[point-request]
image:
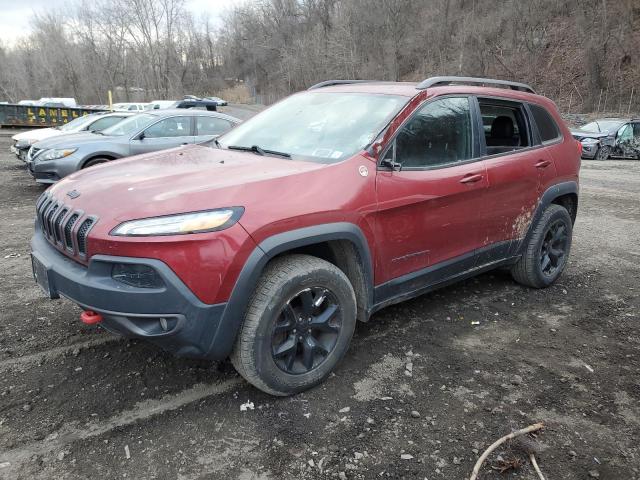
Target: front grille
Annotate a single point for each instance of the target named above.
(58, 224)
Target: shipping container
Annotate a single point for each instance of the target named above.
(12, 115)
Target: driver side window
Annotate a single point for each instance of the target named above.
(170, 127)
(438, 135)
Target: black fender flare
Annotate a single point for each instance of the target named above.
(233, 315)
(547, 198)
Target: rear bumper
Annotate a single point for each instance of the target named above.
(188, 326)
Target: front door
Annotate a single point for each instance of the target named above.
(428, 207)
(167, 133)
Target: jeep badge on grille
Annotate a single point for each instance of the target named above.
(73, 194)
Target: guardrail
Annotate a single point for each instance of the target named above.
(12, 115)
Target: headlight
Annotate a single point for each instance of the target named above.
(56, 153)
(196, 222)
(589, 141)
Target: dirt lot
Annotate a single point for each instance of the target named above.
(76, 402)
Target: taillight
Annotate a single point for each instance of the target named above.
(579, 145)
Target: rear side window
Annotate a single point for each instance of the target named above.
(504, 126)
(212, 125)
(547, 127)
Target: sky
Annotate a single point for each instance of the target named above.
(15, 14)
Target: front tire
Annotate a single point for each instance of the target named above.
(95, 161)
(603, 153)
(298, 325)
(547, 250)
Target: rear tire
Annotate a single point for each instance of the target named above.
(547, 250)
(297, 327)
(95, 161)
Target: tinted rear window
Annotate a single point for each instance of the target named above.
(547, 127)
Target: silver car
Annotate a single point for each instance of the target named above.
(88, 123)
(50, 160)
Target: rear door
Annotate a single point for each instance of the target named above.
(167, 133)
(428, 209)
(516, 162)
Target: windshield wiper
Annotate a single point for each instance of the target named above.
(258, 150)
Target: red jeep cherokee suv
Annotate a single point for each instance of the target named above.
(315, 213)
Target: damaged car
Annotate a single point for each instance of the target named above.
(609, 138)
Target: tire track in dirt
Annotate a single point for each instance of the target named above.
(27, 361)
(69, 433)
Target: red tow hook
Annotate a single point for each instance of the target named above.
(89, 317)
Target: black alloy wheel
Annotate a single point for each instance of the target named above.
(553, 249)
(306, 330)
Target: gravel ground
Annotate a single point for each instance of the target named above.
(426, 386)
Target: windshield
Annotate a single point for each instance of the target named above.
(130, 125)
(318, 126)
(76, 124)
(602, 126)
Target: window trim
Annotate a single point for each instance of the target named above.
(534, 137)
(475, 141)
(553, 141)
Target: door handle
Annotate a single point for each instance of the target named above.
(542, 164)
(471, 178)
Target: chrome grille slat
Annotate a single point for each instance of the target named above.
(43, 208)
(58, 222)
(49, 220)
(45, 216)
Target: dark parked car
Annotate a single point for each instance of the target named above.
(315, 213)
(609, 138)
(50, 160)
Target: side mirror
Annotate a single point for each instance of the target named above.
(141, 136)
(391, 164)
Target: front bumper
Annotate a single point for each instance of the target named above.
(189, 325)
(20, 152)
(590, 150)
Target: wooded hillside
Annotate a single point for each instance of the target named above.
(584, 54)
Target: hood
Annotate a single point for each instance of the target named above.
(179, 180)
(71, 140)
(580, 134)
(37, 134)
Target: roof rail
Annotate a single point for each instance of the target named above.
(435, 81)
(329, 83)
